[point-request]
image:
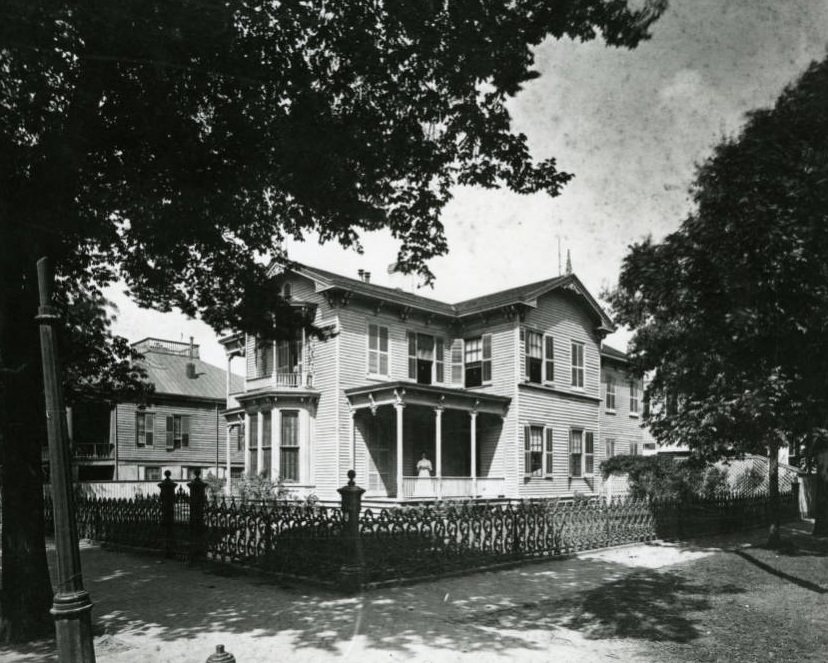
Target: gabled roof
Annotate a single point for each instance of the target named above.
(169, 375)
(525, 295)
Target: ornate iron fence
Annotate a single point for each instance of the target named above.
(391, 544)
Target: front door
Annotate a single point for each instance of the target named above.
(380, 478)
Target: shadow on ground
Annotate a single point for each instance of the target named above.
(140, 598)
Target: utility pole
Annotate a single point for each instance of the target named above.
(71, 605)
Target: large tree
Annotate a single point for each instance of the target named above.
(730, 312)
(173, 144)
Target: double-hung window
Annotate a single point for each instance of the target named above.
(178, 431)
(265, 442)
(633, 397)
(478, 360)
(609, 401)
(289, 450)
(144, 429)
(610, 444)
(577, 361)
(263, 358)
(377, 350)
(534, 356)
(581, 453)
(537, 448)
(425, 358)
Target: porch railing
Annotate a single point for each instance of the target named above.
(289, 380)
(452, 487)
(90, 451)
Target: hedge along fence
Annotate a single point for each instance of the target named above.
(399, 543)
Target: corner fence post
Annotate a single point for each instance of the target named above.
(795, 515)
(167, 487)
(197, 539)
(352, 570)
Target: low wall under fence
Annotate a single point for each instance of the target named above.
(351, 547)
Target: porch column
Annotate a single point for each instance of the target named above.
(247, 467)
(275, 443)
(259, 442)
(473, 416)
(438, 440)
(399, 407)
(352, 439)
(227, 486)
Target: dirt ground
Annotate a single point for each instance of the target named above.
(717, 599)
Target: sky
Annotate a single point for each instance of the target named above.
(630, 124)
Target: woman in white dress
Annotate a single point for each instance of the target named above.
(423, 486)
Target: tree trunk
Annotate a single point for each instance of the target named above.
(821, 494)
(26, 595)
(774, 538)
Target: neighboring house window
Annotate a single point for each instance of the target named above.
(533, 451)
(534, 356)
(239, 432)
(236, 472)
(633, 397)
(581, 453)
(478, 360)
(610, 397)
(178, 431)
(577, 360)
(634, 449)
(152, 474)
(425, 358)
(549, 358)
(610, 452)
(377, 350)
(289, 451)
(191, 473)
(144, 428)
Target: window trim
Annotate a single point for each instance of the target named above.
(483, 360)
(184, 431)
(573, 367)
(634, 398)
(610, 381)
(587, 441)
(143, 416)
(297, 446)
(378, 350)
(527, 357)
(438, 356)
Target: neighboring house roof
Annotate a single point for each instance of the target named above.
(525, 295)
(611, 353)
(168, 372)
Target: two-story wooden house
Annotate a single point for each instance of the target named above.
(181, 428)
(510, 394)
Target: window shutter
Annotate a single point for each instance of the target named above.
(487, 358)
(412, 355)
(139, 425)
(548, 451)
(527, 451)
(589, 451)
(185, 430)
(549, 359)
(170, 433)
(439, 371)
(149, 429)
(457, 361)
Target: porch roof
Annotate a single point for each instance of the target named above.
(410, 393)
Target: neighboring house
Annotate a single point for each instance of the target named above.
(510, 394)
(182, 428)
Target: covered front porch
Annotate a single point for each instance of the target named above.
(414, 442)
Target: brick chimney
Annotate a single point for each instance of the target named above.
(191, 369)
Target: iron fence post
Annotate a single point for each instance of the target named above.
(197, 539)
(167, 487)
(795, 497)
(352, 570)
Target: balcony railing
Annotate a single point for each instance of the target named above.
(293, 380)
(85, 451)
(452, 487)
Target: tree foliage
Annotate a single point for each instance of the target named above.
(731, 311)
(174, 145)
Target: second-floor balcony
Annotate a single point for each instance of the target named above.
(93, 451)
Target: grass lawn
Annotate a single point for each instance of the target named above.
(744, 603)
